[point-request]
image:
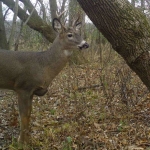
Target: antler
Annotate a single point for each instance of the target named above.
(60, 15)
(75, 21)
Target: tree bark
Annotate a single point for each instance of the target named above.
(35, 22)
(126, 28)
(3, 39)
(53, 8)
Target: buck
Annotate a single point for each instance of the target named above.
(30, 73)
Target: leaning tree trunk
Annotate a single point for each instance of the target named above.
(126, 28)
(35, 21)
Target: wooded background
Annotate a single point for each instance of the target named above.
(97, 101)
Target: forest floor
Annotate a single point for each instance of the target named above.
(95, 106)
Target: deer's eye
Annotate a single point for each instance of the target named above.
(69, 35)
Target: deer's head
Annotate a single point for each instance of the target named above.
(70, 37)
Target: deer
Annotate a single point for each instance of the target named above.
(31, 73)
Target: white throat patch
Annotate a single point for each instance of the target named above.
(67, 53)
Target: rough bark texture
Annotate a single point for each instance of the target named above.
(3, 40)
(126, 28)
(35, 22)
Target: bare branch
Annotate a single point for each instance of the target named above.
(6, 13)
(31, 13)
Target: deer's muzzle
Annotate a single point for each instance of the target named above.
(84, 45)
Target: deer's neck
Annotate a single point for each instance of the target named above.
(56, 57)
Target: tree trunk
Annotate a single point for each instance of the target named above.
(126, 28)
(133, 2)
(143, 3)
(53, 8)
(3, 40)
(43, 10)
(63, 6)
(12, 33)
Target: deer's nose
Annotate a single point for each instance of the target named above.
(85, 45)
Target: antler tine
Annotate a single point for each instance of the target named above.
(76, 20)
(60, 15)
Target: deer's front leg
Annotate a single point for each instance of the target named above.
(25, 107)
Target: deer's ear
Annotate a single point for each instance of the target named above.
(57, 26)
(78, 26)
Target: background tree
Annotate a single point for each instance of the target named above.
(53, 8)
(133, 2)
(143, 4)
(11, 37)
(3, 40)
(43, 10)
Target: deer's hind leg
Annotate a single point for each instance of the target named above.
(25, 107)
